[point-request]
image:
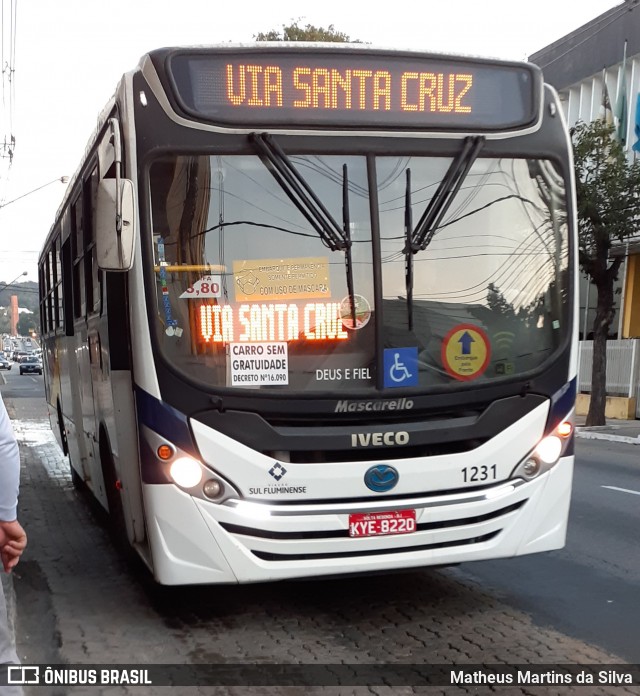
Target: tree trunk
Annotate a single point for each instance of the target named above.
(601, 325)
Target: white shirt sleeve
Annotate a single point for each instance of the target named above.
(9, 468)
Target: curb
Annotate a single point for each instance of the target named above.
(594, 435)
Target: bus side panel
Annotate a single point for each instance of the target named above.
(52, 386)
(124, 443)
(69, 386)
(87, 416)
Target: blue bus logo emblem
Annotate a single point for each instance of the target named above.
(381, 478)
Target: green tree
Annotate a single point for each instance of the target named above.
(497, 303)
(294, 32)
(5, 321)
(608, 192)
(27, 324)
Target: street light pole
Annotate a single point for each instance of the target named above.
(62, 179)
(6, 285)
(14, 299)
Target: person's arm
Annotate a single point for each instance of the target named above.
(13, 539)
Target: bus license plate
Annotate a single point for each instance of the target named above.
(366, 524)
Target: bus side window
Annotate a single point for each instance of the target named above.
(50, 287)
(42, 276)
(45, 286)
(67, 286)
(77, 248)
(92, 273)
(56, 267)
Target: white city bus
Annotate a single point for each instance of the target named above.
(309, 310)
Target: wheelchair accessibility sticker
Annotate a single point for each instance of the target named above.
(401, 367)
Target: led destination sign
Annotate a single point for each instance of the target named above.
(272, 322)
(355, 90)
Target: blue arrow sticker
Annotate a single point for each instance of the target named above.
(465, 341)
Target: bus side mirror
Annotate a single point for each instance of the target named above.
(115, 246)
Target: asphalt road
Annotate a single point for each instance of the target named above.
(590, 589)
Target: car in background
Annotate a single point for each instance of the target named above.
(31, 366)
(4, 363)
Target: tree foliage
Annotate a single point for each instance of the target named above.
(608, 209)
(28, 323)
(295, 32)
(26, 291)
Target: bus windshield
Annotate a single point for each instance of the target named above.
(253, 292)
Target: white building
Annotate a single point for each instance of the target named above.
(604, 54)
(596, 70)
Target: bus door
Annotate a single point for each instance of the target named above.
(111, 370)
(86, 310)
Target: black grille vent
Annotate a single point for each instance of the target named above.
(266, 556)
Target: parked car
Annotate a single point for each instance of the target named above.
(4, 363)
(31, 366)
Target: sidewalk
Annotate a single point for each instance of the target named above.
(615, 430)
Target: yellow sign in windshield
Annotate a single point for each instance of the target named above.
(281, 279)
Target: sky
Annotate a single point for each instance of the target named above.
(68, 55)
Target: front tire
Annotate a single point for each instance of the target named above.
(117, 523)
(76, 479)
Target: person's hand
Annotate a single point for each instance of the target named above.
(13, 541)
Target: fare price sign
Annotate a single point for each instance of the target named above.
(355, 89)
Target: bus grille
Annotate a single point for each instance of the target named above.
(428, 530)
(265, 556)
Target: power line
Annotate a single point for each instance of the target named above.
(8, 67)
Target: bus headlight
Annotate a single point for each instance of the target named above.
(549, 449)
(186, 472)
(213, 488)
(531, 467)
(164, 462)
(545, 454)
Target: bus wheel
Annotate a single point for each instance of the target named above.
(117, 524)
(76, 479)
(63, 432)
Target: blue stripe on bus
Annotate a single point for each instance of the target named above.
(164, 420)
(561, 403)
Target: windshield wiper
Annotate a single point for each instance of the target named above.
(301, 194)
(346, 225)
(305, 199)
(408, 256)
(418, 239)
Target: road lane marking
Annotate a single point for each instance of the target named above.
(622, 490)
